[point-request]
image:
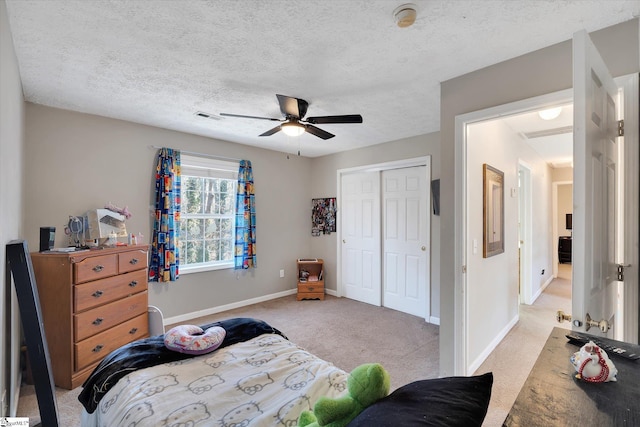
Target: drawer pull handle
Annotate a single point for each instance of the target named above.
(98, 348)
(133, 331)
(133, 284)
(97, 294)
(134, 261)
(311, 289)
(98, 268)
(98, 321)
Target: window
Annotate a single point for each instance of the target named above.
(207, 214)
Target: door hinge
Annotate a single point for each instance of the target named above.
(620, 127)
(620, 273)
(464, 269)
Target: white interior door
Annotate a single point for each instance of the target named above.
(360, 215)
(595, 187)
(405, 195)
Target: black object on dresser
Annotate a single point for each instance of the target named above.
(564, 249)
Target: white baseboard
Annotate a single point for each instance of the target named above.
(541, 290)
(330, 292)
(492, 346)
(434, 320)
(221, 308)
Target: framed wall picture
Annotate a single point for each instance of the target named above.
(323, 216)
(492, 211)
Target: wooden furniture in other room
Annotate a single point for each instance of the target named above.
(564, 249)
(92, 303)
(553, 396)
(310, 279)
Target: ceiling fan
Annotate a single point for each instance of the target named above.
(294, 123)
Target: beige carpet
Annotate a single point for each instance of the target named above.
(349, 333)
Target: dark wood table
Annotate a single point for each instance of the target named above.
(552, 396)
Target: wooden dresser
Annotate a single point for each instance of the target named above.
(92, 303)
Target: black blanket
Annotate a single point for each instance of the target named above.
(151, 351)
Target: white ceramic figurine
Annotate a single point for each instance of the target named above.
(593, 364)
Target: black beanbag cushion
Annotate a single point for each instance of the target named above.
(451, 401)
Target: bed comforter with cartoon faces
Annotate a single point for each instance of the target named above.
(265, 381)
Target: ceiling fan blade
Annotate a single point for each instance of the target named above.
(318, 132)
(294, 107)
(348, 118)
(271, 131)
(250, 117)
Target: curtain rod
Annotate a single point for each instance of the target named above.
(193, 153)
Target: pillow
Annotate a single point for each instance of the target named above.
(452, 401)
(191, 339)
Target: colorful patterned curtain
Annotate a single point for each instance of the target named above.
(166, 226)
(245, 253)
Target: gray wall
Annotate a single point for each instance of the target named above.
(76, 162)
(323, 184)
(493, 282)
(537, 73)
(94, 160)
(11, 143)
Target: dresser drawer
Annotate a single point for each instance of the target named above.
(96, 267)
(132, 260)
(98, 292)
(311, 287)
(95, 348)
(106, 316)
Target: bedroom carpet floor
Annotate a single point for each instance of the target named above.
(349, 333)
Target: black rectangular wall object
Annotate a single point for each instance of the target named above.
(18, 261)
(435, 196)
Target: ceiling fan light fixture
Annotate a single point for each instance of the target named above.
(550, 113)
(292, 128)
(405, 15)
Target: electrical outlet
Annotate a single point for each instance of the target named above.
(542, 272)
(281, 273)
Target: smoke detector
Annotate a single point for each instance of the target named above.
(405, 15)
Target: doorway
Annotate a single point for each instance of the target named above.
(384, 235)
(524, 233)
(493, 282)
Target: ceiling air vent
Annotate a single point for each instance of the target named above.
(204, 115)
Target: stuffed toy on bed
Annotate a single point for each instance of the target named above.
(367, 384)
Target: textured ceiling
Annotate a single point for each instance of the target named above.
(158, 62)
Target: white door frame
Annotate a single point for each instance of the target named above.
(377, 167)
(461, 304)
(526, 260)
(630, 84)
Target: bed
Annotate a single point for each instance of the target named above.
(257, 377)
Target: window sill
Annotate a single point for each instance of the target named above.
(203, 268)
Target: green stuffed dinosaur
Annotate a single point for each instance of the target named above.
(366, 384)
